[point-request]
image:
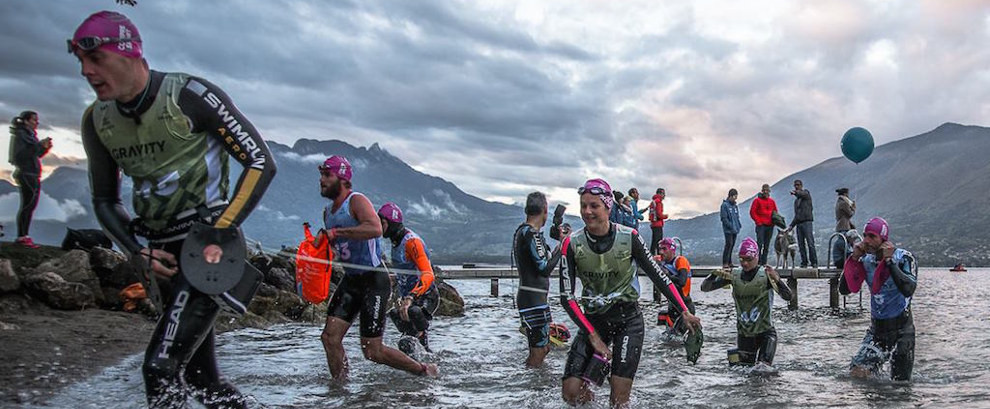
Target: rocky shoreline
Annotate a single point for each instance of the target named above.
(62, 318)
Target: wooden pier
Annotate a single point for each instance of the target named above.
(791, 275)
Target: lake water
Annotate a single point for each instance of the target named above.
(481, 354)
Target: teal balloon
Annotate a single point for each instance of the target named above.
(857, 144)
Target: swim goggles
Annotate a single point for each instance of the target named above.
(92, 43)
(595, 190)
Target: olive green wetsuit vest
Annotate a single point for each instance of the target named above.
(753, 304)
(173, 169)
(611, 275)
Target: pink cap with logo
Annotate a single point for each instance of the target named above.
(749, 248)
(878, 226)
(339, 166)
(668, 244)
(112, 25)
(391, 212)
(600, 188)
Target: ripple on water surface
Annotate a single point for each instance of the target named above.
(481, 355)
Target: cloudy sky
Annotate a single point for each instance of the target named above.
(504, 97)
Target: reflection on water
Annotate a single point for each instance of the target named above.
(481, 355)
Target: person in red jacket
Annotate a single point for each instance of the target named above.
(657, 217)
(762, 211)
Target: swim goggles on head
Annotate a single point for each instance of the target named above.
(92, 43)
(596, 190)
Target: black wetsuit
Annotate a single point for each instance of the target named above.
(535, 261)
(180, 360)
(763, 346)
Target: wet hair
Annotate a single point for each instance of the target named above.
(733, 192)
(535, 203)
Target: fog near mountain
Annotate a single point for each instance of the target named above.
(932, 188)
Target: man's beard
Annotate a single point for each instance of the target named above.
(333, 190)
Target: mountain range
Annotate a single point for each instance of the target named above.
(932, 188)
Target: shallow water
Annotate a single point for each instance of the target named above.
(481, 354)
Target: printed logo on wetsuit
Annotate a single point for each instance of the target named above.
(139, 150)
(173, 323)
(234, 135)
(625, 348)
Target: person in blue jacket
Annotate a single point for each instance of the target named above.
(729, 213)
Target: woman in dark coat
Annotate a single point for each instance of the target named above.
(25, 154)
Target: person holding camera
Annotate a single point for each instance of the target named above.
(25, 154)
(536, 261)
(891, 274)
(606, 257)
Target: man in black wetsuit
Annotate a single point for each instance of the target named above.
(535, 260)
(173, 135)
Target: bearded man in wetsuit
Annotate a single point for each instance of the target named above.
(535, 261)
(173, 135)
(418, 296)
(605, 256)
(353, 229)
(892, 276)
(678, 269)
(752, 292)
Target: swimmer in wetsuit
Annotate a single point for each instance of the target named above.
(173, 135)
(418, 296)
(605, 257)
(354, 230)
(891, 274)
(535, 261)
(678, 269)
(752, 286)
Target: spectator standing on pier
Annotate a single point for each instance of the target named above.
(803, 220)
(536, 261)
(756, 337)
(634, 204)
(891, 275)
(845, 209)
(657, 216)
(729, 214)
(761, 211)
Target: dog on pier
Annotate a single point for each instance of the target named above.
(785, 246)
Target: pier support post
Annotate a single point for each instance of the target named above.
(792, 284)
(494, 287)
(833, 294)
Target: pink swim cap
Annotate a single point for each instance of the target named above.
(600, 188)
(749, 248)
(110, 25)
(668, 244)
(337, 165)
(878, 226)
(391, 212)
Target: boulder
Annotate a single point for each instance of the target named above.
(107, 266)
(281, 279)
(74, 267)
(451, 303)
(9, 281)
(58, 293)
